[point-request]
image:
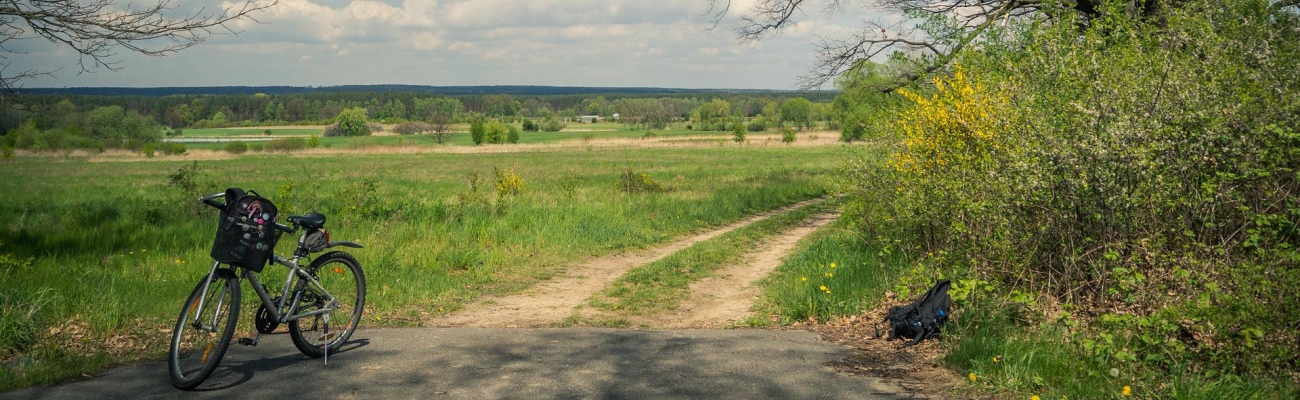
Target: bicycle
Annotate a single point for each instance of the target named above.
(207, 319)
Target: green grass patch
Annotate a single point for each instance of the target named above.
(116, 246)
(834, 273)
(1007, 356)
(663, 284)
(252, 131)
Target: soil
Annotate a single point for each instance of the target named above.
(916, 370)
(550, 302)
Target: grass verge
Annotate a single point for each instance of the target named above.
(662, 285)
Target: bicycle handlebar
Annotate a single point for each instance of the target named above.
(211, 200)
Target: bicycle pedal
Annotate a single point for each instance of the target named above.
(247, 341)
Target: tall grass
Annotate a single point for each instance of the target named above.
(114, 247)
(834, 273)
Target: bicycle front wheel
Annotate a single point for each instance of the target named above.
(204, 329)
(341, 278)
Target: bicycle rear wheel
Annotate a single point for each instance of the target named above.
(204, 329)
(340, 274)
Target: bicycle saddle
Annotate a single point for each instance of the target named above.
(309, 221)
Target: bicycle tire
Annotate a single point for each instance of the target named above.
(189, 367)
(341, 275)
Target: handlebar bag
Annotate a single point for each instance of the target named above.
(246, 233)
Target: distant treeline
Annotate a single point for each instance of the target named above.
(235, 106)
(517, 90)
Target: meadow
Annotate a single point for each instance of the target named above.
(458, 136)
(98, 255)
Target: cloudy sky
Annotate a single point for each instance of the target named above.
(608, 43)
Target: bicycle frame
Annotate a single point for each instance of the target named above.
(286, 311)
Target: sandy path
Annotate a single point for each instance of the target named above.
(726, 299)
(550, 302)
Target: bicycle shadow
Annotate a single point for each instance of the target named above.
(236, 371)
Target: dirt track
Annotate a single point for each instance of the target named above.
(728, 298)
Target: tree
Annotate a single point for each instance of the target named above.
(352, 122)
(738, 130)
(934, 33)
(798, 111)
(95, 29)
(115, 126)
(477, 131)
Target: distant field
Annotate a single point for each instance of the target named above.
(254, 131)
(459, 137)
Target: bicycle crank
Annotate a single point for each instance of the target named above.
(264, 321)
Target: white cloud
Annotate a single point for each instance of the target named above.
(469, 42)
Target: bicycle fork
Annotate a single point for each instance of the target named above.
(197, 308)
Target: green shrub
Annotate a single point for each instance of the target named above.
(148, 149)
(551, 124)
(1140, 172)
(512, 134)
(787, 135)
(173, 148)
(632, 182)
(286, 145)
(236, 147)
(477, 131)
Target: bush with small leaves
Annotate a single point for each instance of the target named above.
(236, 147)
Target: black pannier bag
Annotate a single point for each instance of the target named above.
(246, 232)
(923, 318)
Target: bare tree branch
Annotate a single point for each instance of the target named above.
(936, 46)
(95, 29)
(1283, 4)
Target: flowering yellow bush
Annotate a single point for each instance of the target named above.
(957, 125)
(509, 182)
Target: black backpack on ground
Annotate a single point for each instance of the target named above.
(246, 233)
(923, 318)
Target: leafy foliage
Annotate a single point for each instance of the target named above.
(352, 122)
(1140, 171)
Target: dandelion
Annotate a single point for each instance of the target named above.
(832, 265)
(823, 288)
(830, 275)
(805, 279)
(996, 359)
(972, 377)
(130, 252)
(1127, 391)
(1034, 397)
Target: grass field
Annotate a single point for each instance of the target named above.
(254, 131)
(459, 136)
(98, 255)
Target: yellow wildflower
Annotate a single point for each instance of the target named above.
(971, 376)
(822, 288)
(832, 265)
(997, 359)
(1034, 397)
(1128, 391)
(805, 279)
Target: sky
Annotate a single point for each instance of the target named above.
(593, 43)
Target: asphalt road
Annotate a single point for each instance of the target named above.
(482, 363)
